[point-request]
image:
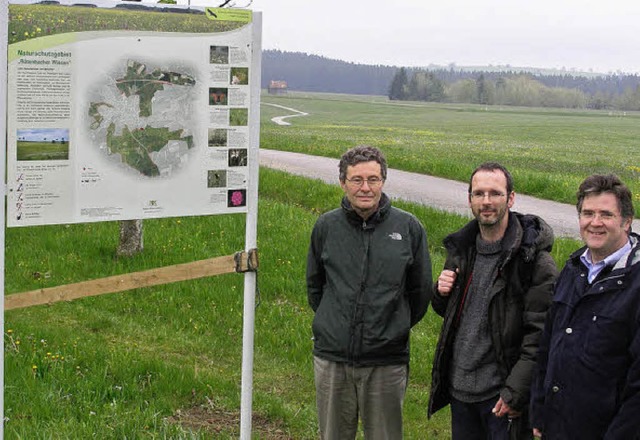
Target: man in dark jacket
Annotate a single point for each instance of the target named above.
(368, 281)
(493, 293)
(587, 385)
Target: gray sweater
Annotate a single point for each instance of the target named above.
(474, 370)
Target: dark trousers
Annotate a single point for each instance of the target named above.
(475, 421)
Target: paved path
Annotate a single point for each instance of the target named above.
(448, 195)
(280, 120)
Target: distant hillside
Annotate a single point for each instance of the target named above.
(314, 73)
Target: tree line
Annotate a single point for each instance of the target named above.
(516, 89)
(507, 86)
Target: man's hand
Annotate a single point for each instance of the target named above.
(446, 280)
(501, 409)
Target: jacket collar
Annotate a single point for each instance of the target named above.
(631, 258)
(376, 218)
(525, 232)
(465, 238)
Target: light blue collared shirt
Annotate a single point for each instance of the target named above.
(595, 269)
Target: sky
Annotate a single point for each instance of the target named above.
(43, 134)
(585, 35)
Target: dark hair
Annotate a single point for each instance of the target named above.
(610, 183)
(493, 166)
(359, 154)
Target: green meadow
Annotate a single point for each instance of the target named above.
(549, 151)
(33, 21)
(27, 150)
(165, 362)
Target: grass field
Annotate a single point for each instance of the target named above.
(42, 151)
(33, 21)
(165, 362)
(549, 151)
(133, 365)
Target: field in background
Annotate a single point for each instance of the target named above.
(549, 151)
(165, 362)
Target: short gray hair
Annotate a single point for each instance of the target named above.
(359, 154)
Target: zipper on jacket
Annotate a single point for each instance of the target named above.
(366, 239)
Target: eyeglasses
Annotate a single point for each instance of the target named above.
(493, 195)
(602, 215)
(373, 182)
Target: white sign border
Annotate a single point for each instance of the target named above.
(250, 278)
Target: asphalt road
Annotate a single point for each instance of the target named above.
(444, 194)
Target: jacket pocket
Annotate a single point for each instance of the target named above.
(605, 344)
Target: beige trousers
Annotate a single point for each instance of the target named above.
(374, 394)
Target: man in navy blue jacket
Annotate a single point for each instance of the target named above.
(587, 384)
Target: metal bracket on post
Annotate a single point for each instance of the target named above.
(246, 261)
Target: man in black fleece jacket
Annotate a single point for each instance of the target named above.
(493, 293)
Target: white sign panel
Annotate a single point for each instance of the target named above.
(125, 124)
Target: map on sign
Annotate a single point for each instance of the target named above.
(145, 85)
(142, 118)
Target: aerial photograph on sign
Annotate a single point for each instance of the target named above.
(142, 117)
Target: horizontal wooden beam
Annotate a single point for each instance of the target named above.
(135, 280)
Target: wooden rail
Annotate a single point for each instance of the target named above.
(119, 283)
